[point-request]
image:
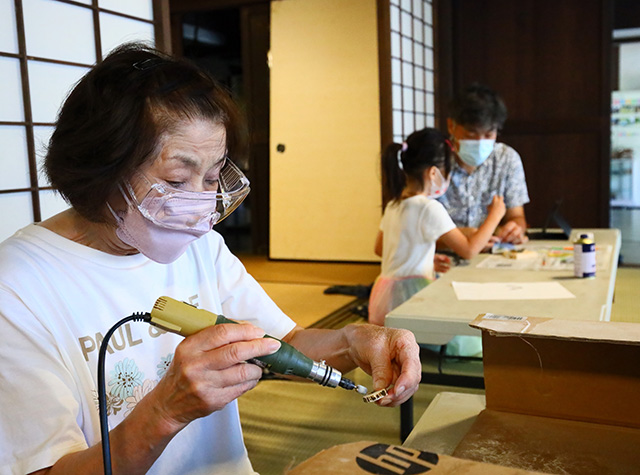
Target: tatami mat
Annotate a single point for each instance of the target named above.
(297, 287)
(626, 300)
(306, 272)
(304, 303)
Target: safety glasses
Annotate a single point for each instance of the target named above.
(184, 210)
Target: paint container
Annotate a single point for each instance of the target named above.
(584, 257)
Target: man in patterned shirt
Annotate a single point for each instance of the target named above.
(483, 167)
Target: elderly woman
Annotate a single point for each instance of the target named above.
(142, 151)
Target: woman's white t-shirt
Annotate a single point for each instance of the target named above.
(58, 299)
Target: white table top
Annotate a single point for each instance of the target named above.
(435, 315)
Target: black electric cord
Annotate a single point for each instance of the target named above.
(102, 392)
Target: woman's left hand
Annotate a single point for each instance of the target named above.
(391, 356)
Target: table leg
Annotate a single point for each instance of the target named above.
(406, 418)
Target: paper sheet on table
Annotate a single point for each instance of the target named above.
(510, 291)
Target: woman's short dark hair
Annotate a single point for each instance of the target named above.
(112, 122)
(478, 106)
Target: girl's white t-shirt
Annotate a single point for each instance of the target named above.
(410, 230)
(57, 301)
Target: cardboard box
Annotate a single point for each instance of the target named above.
(368, 457)
(562, 396)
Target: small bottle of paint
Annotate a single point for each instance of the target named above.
(584, 257)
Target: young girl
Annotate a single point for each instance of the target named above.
(414, 174)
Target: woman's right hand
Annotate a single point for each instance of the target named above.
(208, 371)
(497, 207)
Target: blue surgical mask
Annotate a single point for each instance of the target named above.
(475, 152)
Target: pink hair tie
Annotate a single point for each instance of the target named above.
(405, 147)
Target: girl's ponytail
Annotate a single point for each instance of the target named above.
(393, 177)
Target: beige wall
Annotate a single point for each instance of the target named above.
(325, 187)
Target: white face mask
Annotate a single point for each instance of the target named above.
(438, 186)
(475, 152)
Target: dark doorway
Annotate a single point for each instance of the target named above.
(231, 41)
(212, 40)
(625, 130)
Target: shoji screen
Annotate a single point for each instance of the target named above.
(46, 46)
(412, 85)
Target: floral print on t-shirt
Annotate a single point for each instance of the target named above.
(126, 386)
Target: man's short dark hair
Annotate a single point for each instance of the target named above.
(478, 106)
(113, 120)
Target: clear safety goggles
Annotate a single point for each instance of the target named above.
(183, 210)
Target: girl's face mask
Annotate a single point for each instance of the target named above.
(166, 220)
(439, 186)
